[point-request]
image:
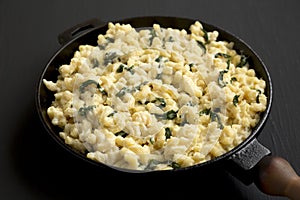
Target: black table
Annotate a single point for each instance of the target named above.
(33, 166)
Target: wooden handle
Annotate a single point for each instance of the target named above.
(277, 177)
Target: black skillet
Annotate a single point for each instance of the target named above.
(249, 161)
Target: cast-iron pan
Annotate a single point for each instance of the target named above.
(244, 161)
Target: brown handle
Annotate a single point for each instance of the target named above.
(277, 177)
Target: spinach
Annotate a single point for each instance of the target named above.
(220, 78)
(153, 163)
(152, 140)
(108, 40)
(130, 69)
(191, 65)
(171, 39)
(171, 114)
(95, 62)
(111, 114)
(205, 111)
(121, 133)
(122, 92)
(215, 117)
(109, 57)
(152, 36)
(140, 85)
(224, 55)
(161, 101)
(243, 61)
(159, 59)
(168, 133)
(228, 63)
(201, 45)
(235, 100)
(89, 82)
(257, 97)
(84, 110)
(205, 36)
(233, 79)
(175, 165)
(122, 67)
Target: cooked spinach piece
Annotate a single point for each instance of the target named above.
(111, 114)
(215, 117)
(175, 165)
(257, 97)
(152, 164)
(108, 40)
(168, 133)
(109, 57)
(201, 45)
(152, 36)
(122, 67)
(205, 36)
(220, 78)
(102, 90)
(159, 76)
(171, 39)
(235, 100)
(95, 62)
(140, 85)
(191, 65)
(122, 92)
(152, 140)
(205, 111)
(84, 110)
(224, 55)
(171, 114)
(121, 133)
(89, 82)
(159, 59)
(161, 102)
(228, 64)
(243, 61)
(130, 69)
(233, 79)
(86, 83)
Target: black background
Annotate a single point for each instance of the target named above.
(33, 166)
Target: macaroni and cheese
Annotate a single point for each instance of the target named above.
(156, 99)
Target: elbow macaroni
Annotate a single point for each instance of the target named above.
(156, 99)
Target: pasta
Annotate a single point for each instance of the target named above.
(157, 98)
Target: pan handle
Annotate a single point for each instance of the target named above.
(242, 163)
(276, 176)
(248, 157)
(72, 32)
(273, 175)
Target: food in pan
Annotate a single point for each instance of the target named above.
(158, 98)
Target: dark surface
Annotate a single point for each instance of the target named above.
(33, 166)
